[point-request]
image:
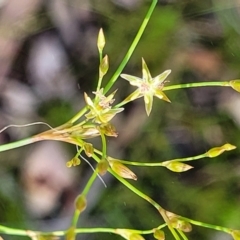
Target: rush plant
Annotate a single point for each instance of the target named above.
(94, 121)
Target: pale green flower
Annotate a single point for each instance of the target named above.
(101, 110)
(147, 86)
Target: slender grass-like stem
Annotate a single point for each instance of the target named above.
(20, 232)
(89, 183)
(206, 225)
(78, 115)
(75, 218)
(148, 199)
(104, 145)
(182, 234)
(158, 164)
(99, 84)
(199, 84)
(85, 191)
(13, 231)
(17, 144)
(132, 47)
(161, 164)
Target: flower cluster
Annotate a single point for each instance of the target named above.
(100, 110)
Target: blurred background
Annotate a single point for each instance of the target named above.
(48, 58)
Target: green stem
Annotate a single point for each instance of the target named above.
(161, 164)
(206, 225)
(89, 183)
(84, 193)
(19, 232)
(132, 47)
(181, 233)
(13, 231)
(192, 85)
(99, 85)
(188, 158)
(75, 218)
(148, 199)
(100, 55)
(17, 144)
(104, 145)
(78, 115)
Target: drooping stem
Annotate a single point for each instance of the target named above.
(160, 209)
(157, 164)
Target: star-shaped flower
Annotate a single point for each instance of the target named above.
(147, 86)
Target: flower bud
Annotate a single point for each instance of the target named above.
(101, 40)
(177, 166)
(88, 100)
(171, 215)
(184, 226)
(108, 130)
(135, 236)
(128, 234)
(178, 223)
(102, 166)
(122, 170)
(81, 203)
(235, 234)
(235, 84)
(73, 162)
(214, 152)
(159, 234)
(69, 163)
(70, 234)
(104, 65)
(76, 161)
(85, 132)
(88, 148)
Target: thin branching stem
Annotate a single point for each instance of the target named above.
(158, 164)
(78, 115)
(199, 84)
(132, 47)
(207, 225)
(148, 199)
(104, 145)
(20, 232)
(85, 191)
(182, 234)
